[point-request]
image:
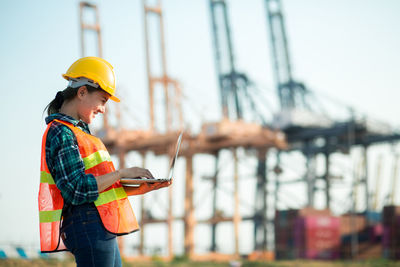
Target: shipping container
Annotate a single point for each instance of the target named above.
(391, 232)
(317, 237)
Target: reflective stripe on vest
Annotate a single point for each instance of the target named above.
(96, 158)
(49, 215)
(46, 178)
(110, 195)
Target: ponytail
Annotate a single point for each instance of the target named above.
(67, 94)
(61, 96)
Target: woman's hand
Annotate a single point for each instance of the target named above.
(145, 187)
(135, 172)
(106, 180)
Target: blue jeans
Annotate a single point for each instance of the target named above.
(85, 236)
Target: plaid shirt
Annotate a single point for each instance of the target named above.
(65, 162)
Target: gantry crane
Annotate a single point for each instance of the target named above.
(170, 88)
(291, 92)
(234, 86)
(294, 98)
(320, 135)
(231, 82)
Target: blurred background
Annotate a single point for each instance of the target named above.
(289, 111)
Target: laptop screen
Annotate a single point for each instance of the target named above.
(173, 160)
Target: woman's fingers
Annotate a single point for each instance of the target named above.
(140, 172)
(136, 172)
(148, 174)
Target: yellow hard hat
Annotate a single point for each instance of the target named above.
(96, 69)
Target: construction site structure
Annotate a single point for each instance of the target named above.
(171, 88)
(231, 82)
(312, 136)
(306, 130)
(213, 138)
(310, 132)
(235, 97)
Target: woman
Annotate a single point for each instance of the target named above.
(80, 198)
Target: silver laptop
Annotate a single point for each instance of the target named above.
(139, 180)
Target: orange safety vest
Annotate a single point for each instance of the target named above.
(112, 204)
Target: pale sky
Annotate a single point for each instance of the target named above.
(344, 50)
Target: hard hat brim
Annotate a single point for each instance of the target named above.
(112, 97)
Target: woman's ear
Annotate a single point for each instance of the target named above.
(82, 91)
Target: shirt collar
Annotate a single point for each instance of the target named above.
(66, 118)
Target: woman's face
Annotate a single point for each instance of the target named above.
(91, 104)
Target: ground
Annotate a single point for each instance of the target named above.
(184, 263)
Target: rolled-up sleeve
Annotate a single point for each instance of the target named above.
(67, 168)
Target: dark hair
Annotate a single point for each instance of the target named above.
(67, 94)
